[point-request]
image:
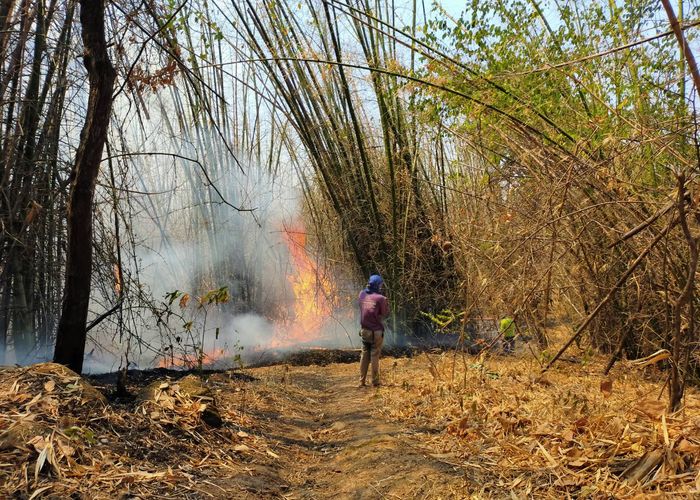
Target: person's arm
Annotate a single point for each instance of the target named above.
(384, 312)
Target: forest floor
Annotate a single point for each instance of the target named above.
(442, 425)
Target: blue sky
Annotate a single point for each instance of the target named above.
(454, 7)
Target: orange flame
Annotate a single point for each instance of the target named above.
(313, 293)
(313, 304)
(210, 358)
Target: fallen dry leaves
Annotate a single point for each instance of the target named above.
(569, 433)
(59, 437)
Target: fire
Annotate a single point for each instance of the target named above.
(210, 359)
(313, 295)
(303, 320)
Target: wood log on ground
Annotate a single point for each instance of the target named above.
(642, 467)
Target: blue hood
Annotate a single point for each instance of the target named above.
(375, 282)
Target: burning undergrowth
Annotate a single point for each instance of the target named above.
(226, 326)
(226, 290)
(206, 284)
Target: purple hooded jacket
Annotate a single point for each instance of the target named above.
(373, 305)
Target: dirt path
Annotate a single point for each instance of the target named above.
(331, 444)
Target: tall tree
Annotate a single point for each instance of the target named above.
(71, 334)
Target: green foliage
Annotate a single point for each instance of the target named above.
(173, 296)
(508, 48)
(546, 356)
(444, 318)
(80, 434)
(218, 296)
(191, 338)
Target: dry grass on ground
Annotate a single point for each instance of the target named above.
(568, 433)
(60, 438)
(493, 421)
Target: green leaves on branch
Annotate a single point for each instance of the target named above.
(510, 49)
(217, 296)
(444, 318)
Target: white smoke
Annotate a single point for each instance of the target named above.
(189, 240)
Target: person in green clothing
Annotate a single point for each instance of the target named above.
(507, 328)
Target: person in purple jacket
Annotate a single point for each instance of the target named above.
(374, 307)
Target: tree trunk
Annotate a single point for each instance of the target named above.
(71, 334)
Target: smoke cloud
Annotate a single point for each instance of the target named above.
(189, 242)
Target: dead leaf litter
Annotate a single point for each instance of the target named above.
(495, 420)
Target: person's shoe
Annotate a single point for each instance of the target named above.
(361, 384)
(376, 384)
